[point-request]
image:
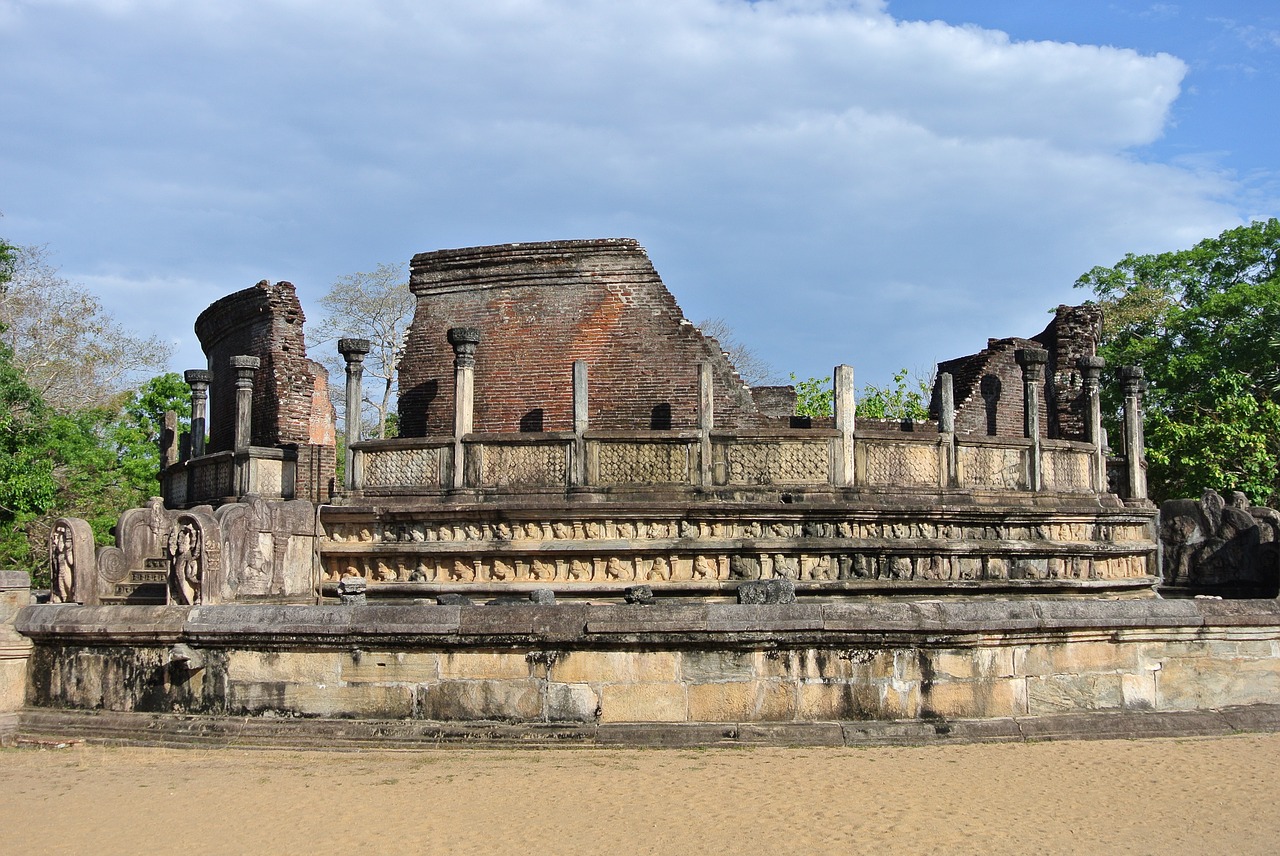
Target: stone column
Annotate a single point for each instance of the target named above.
(1032, 361)
(846, 407)
(1091, 371)
(1134, 384)
(464, 341)
(353, 351)
(706, 421)
(580, 422)
(245, 368)
(947, 423)
(198, 380)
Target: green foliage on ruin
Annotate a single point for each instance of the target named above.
(814, 397)
(899, 399)
(1203, 323)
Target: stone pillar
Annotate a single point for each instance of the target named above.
(846, 407)
(706, 421)
(1032, 361)
(947, 423)
(1134, 384)
(169, 440)
(15, 650)
(245, 368)
(1091, 371)
(353, 351)
(198, 380)
(464, 341)
(580, 422)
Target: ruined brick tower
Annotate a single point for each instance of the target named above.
(539, 307)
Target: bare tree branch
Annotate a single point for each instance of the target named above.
(65, 343)
(377, 306)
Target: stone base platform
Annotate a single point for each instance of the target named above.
(687, 673)
(47, 726)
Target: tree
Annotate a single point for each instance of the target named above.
(1203, 324)
(816, 398)
(897, 400)
(751, 367)
(377, 306)
(64, 343)
(92, 464)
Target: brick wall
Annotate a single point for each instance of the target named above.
(540, 307)
(290, 392)
(1073, 333)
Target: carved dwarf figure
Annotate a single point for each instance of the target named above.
(184, 563)
(62, 560)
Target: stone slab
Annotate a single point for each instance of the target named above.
(185, 730)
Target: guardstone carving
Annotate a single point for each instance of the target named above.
(1214, 546)
(71, 561)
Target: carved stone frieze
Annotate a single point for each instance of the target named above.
(1066, 471)
(778, 463)
(642, 463)
(402, 468)
(902, 465)
(991, 467)
(521, 466)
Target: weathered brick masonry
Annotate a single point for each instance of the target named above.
(290, 393)
(540, 307)
(988, 384)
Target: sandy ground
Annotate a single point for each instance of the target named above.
(1170, 796)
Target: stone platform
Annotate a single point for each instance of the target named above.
(680, 674)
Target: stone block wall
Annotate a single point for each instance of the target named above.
(291, 405)
(677, 664)
(540, 307)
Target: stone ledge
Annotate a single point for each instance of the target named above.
(237, 625)
(180, 730)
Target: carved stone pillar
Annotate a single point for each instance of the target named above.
(580, 422)
(353, 351)
(198, 380)
(1032, 361)
(846, 408)
(245, 368)
(947, 422)
(1134, 384)
(706, 421)
(464, 341)
(1091, 371)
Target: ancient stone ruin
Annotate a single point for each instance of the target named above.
(1220, 547)
(590, 523)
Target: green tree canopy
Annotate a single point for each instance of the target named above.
(1203, 323)
(899, 399)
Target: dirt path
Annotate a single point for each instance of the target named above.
(1171, 796)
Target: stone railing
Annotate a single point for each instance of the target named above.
(212, 479)
(923, 460)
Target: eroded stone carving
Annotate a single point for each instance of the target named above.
(1216, 546)
(184, 548)
(71, 562)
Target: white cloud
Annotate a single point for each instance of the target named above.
(773, 155)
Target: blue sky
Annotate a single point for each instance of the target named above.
(882, 184)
